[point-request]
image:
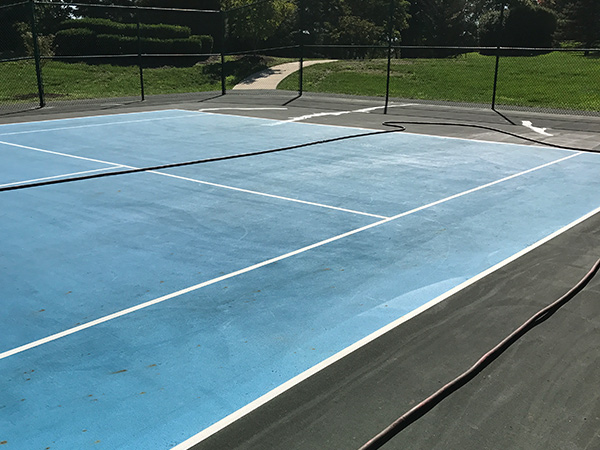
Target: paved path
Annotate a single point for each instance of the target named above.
(271, 77)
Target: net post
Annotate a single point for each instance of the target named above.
(36, 55)
(389, 57)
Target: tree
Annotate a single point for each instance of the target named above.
(581, 22)
(529, 27)
(252, 24)
(441, 23)
(524, 26)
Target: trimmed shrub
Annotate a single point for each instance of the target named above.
(108, 44)
(106, 26)
(75, 41)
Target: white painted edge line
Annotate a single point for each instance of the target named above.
(233, 108)
(95, 116)
(155, 301)
(17, 183)
(92, 125)
(247, 191)
(433, 136)
(223, 423)
(339, 113)
(263, 194)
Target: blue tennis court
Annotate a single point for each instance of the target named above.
(142, 309)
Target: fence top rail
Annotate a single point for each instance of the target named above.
(18, 58)
(132, 7)
(344, 46)
(260, 50)
(13, 4)
(539, 49)
(127, 55)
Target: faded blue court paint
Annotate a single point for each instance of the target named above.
(151, 379)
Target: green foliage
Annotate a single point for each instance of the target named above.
(354, 30)
(254, 23)
(75, 41)
(489, 29)
(442, 23)
(524, 26)
(529, 27)
(106, 26)
(45, 42)
(98, 36)
(110, 44)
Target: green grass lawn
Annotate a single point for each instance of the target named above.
(73, 81)
(555, 80)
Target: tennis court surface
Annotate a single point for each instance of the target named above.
(303, 298)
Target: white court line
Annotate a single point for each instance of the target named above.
(338, 113)
(95, 116)
(452, 138)
(226, 421)
(92, 125)
(247, 191)
(223, 186)
(244, 109)
(155, 301)
(27, 147)
(16, 183)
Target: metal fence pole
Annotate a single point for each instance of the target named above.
(36, 55)
(223, 15)
(140, 65)
(389, 56)
(500, 34)
(301, 46)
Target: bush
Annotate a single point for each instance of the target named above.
(45, 42)
(106, 26)
(75, 41)
(530, 27)
(108, 44)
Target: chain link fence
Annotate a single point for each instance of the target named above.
(54, 52)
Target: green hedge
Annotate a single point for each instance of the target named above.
(106, 26)
(105, 37)
(75, 41)
(107, 44)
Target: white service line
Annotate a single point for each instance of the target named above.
(36, 180)
(267, 262)
(233, 417)
(247, 191)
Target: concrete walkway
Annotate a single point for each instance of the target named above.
(271, 77)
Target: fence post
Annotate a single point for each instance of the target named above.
(301, 46)
(389, 56)
(139, 42)
(36, 55)
(500, 34)
(223, 15)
